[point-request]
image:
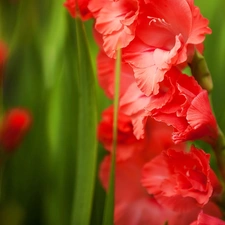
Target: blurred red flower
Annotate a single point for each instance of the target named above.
(14, 126)
(3, 53)
(3, 58)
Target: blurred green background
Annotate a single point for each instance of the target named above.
(40, 183)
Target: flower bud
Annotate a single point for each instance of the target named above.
(14, 126)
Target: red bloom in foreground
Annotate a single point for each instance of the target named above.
(180, 180)
(82, 7)
(204, 219)
(182, 103)
(154, 35)
(14, 126)
(166, 35)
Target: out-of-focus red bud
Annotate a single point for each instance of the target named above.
(3, 53)
(3, 58)
(15, 124)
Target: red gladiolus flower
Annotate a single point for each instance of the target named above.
(116, 22)
(14, 126)
(154, 35)
(182, 103)
(204, 219)
(132, 100)
(166, 35)
(106, 75)
(127, 144)
(180, 180)
(133, 205)
(83, 12)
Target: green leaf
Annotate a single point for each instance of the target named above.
(52, 39)
(62, 131)
(86, 152)
(109, 204)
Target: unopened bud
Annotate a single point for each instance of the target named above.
(3, 58)
(201, 72)
(14, 126)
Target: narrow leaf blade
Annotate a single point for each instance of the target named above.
(87, 144)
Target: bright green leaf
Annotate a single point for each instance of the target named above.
(86, 152)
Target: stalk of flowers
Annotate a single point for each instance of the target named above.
(156, 42)
(150, 57)
(181, 103)
(133, 26)
(153, 37)
(139, 56)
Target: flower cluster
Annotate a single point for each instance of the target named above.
(160, 109)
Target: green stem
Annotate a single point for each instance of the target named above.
(108, 217)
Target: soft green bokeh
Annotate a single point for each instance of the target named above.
(40, 180)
